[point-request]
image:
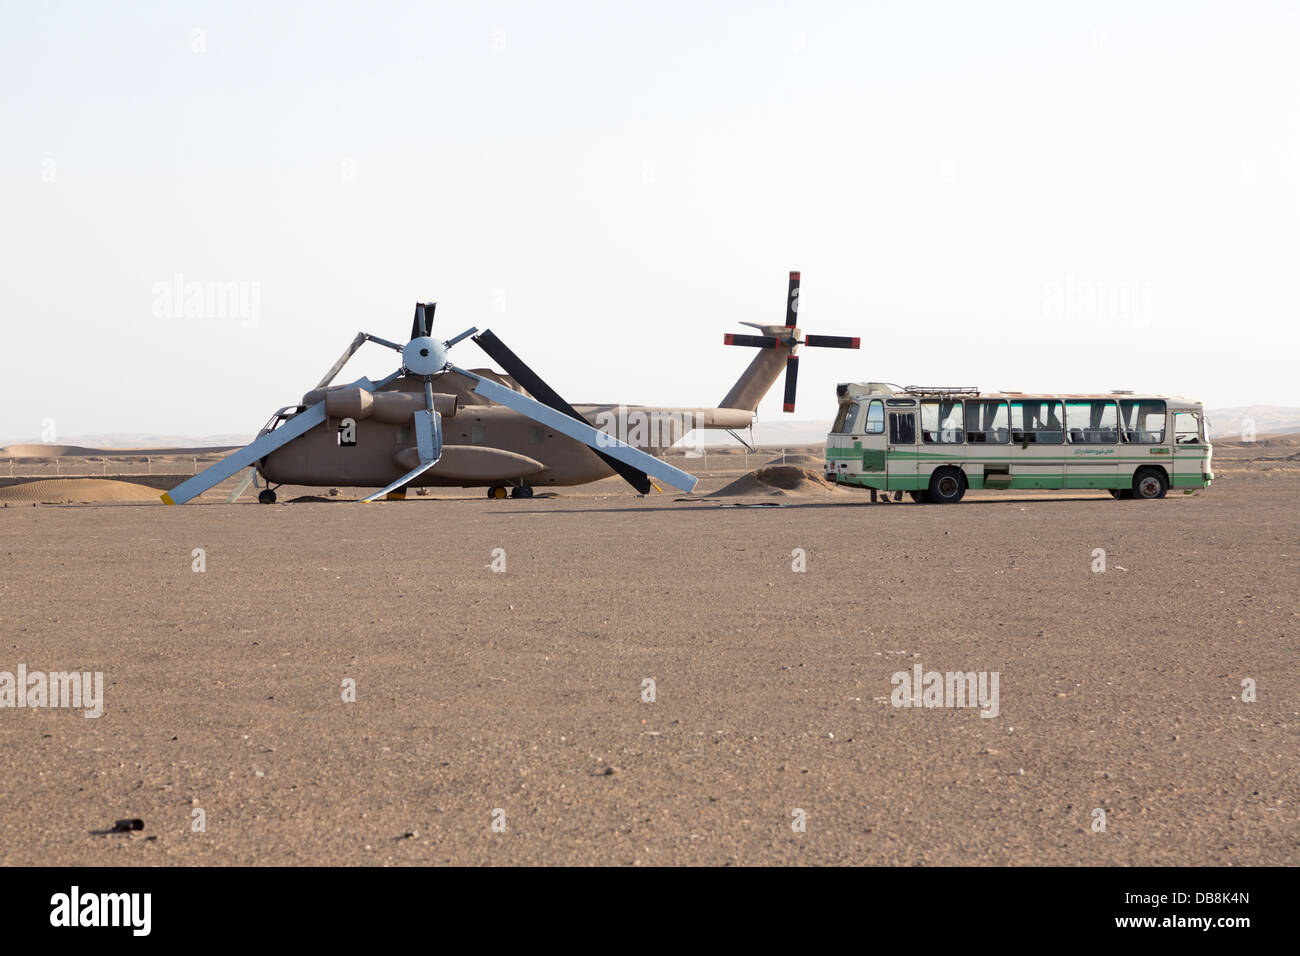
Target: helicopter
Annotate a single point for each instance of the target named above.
(433, 424)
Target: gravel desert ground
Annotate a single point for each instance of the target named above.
(501, 716)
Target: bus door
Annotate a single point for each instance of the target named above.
(901, 452)
(873, 444)
(1191, 449)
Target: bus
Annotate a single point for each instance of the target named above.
(934, 443)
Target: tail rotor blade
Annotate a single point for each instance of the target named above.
(792, 301)
(547, 396)
(754, 341)
(832, 341)
(791, 381)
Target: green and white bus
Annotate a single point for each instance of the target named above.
(934, 443)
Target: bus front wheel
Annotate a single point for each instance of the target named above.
(1149, 484)
(947, 485)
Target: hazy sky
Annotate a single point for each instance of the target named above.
(1055, 196)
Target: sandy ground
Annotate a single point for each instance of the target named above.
(521, 691)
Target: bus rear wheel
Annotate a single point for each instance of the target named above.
(1149, 484)
(947, 485)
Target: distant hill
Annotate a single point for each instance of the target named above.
(131, 440)
(1268, 419)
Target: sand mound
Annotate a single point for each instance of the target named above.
(778, 480)
(61, 490)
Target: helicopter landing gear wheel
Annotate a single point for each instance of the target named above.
(497, 491)
(521, 491)
(266, 497)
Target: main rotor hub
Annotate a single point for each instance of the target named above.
(424, 356)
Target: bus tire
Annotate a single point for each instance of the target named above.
(947, 485)
(1149, 484)
(920, 497)
(1121, 494)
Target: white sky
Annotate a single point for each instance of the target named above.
(1057, 196)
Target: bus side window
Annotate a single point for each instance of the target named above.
(1143, 422)
(941, 422)
(902, 428)
(1092, 422)
(986, 422)
(1037, 421)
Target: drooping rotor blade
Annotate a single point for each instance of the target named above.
(756, 341)
(415, 472)
(215, 474)
(792, 301)
(832, 341)
(791, 381)
(428, 440)
(532, 382)
(337, 367)
(428, 435)
(604, 445)
(240, 488)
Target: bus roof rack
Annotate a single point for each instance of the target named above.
(941, 390)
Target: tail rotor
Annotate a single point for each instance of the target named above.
(790, 337)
